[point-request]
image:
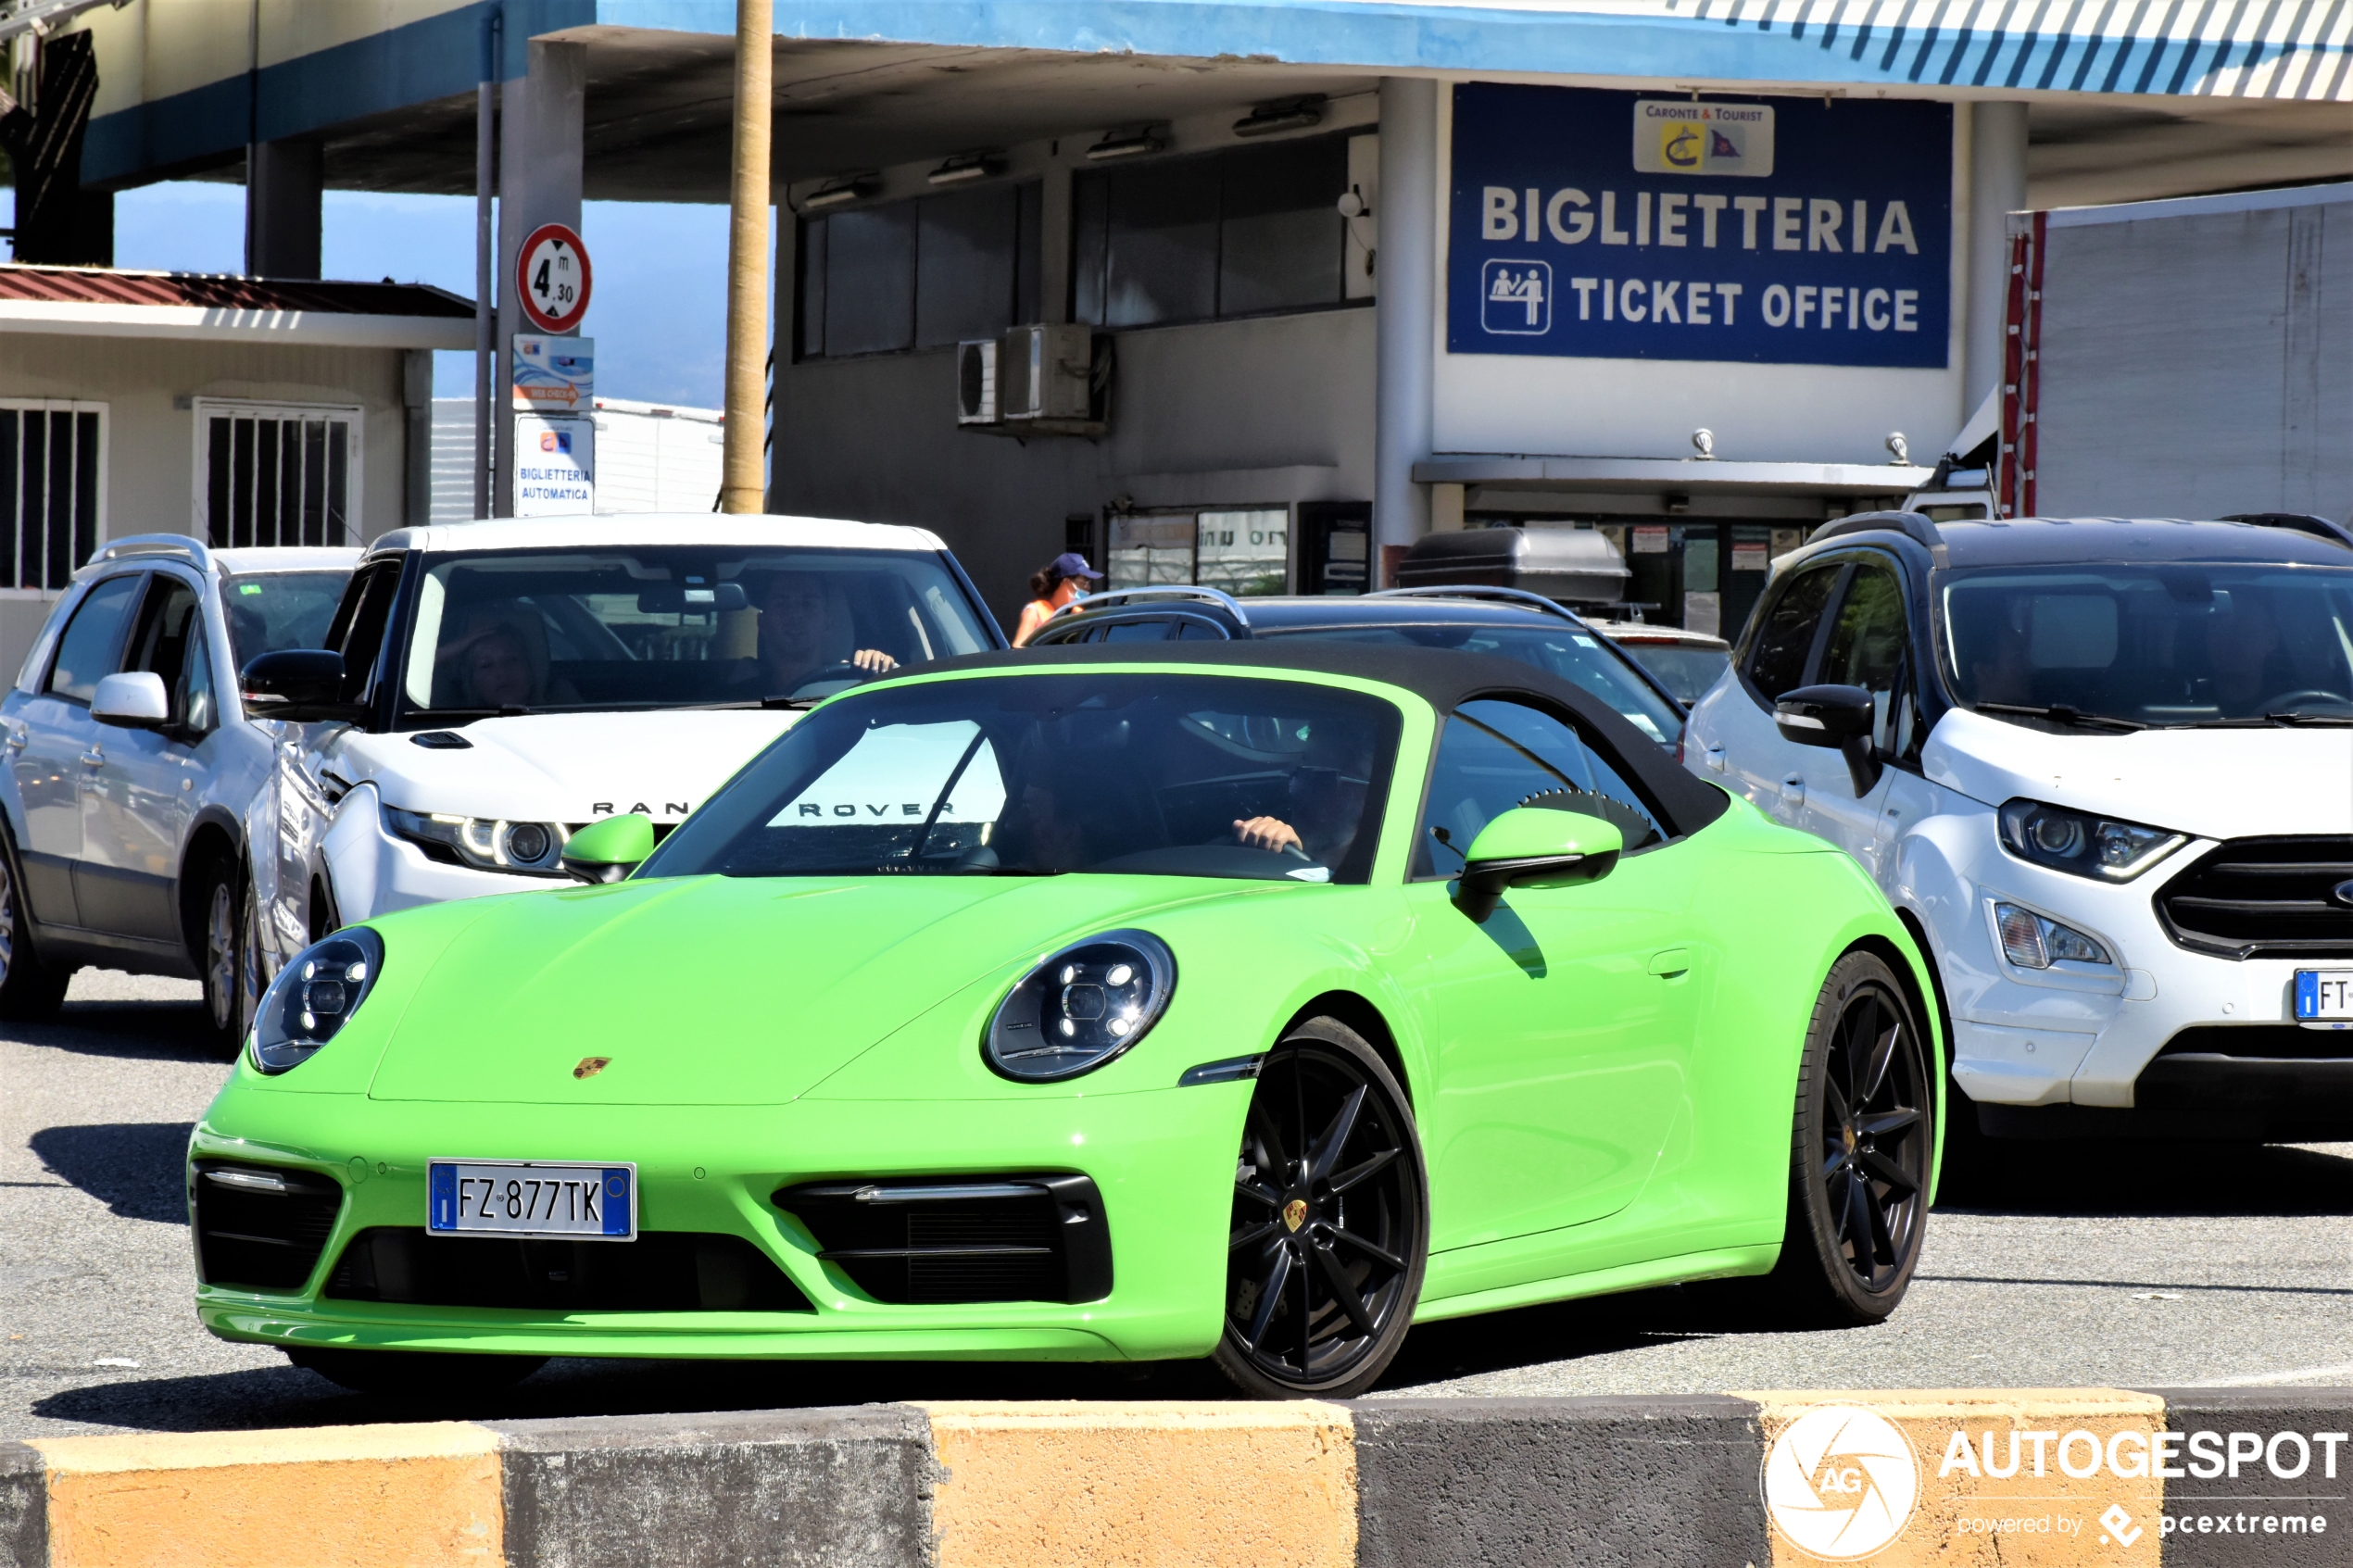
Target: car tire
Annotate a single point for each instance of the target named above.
(29, 990)
(422, 1376)
(1862, 1146)
(1330, 1228)
(227, 961)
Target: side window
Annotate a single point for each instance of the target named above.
(86, 654)
(1136, 632)
(169, 641)
(1786, 631)
(1867, 649)
(359, 629)
(1495, 755)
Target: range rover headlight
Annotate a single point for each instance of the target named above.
(2083, 845)
(313, 997)
(485, 843)
(1082, 1007)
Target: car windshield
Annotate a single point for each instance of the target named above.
(1685, 668)
(2153, 645)
(1136, 774)
(267, 610)
(1582, 657)
(550, 631)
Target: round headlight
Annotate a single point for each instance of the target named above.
(313, 997)
(1081, 1006)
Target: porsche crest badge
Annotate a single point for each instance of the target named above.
(591, 1065)
(1294, 1214)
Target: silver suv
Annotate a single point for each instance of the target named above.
(133, 770)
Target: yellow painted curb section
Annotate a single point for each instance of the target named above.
(328, 1496)
(1145, 1486)
(2020, 1477)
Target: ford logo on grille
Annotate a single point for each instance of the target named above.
(2342, 894)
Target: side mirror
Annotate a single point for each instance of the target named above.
(1837, 717)
(609, 850)
(301, 686)
(133, 700)
(1534, 846)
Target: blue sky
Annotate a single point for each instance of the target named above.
(659, 313)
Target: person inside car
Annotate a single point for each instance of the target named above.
(797, 620)
(497, 659)
(1327, 802)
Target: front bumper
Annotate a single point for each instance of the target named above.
(2097, 1037)
(1163, 1161)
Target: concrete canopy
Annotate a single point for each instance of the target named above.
(2126, 102)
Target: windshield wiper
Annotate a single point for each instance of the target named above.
(2059, 713)
(2288, 720)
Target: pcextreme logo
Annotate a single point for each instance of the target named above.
(1841, 1481)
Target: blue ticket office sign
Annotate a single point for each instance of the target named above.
(1590, 224)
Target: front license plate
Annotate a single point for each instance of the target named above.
(2324, 996)
(531, 1197)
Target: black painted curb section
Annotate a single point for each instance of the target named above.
(2256, 1492)
(24, 1505)
(846, 1488)
(1669, 1480)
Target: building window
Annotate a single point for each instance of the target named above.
(1245, 231)
(276, 475)
(53, 465)
(925, 273)
(1241, 552)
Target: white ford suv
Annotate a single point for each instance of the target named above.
(488, 688)
(2104, 768)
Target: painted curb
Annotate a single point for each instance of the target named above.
(2010, 1477)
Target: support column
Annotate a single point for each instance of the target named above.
(1997, 187)
(1405, 310)
(416, 399)
(743, 482)
(283, 185)
(1054, 239)
(539, 155)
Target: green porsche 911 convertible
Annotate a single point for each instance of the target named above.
(1096, 1004)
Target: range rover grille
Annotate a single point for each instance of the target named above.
(2264, 899)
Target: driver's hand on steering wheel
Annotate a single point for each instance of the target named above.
(1270, 833)
(874, 660)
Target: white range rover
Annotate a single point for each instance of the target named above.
(489, 688)
(2104, 770)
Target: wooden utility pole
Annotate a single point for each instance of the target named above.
(743, 486)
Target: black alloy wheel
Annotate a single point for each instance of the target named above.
(1331, 1222)
(1863, 1148)
(29, 988)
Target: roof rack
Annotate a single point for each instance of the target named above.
(2296, 523)
(1111, 597)
(178, 544)
(1519, 597)
(1912, 525)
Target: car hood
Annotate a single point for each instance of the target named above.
(564, 767)
(717, 990)
(2210, 784)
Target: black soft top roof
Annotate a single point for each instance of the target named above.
(1442, 678)
(2087, 541)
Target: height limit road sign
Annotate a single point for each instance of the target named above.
(552, 277)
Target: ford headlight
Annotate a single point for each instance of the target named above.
(485, 843)
(313, 997)
(1082, 1007)
(2083, 845)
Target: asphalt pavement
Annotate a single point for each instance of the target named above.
(2121, 1266)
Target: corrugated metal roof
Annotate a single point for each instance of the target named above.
(223, 291)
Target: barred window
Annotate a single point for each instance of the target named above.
(53, 464)
(276, 475)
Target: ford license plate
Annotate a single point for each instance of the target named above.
(2324, 997)
(531, 1197)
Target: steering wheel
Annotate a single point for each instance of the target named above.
(2290, 702)
(831, 674)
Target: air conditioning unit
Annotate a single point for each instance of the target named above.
(1046, 372)
(976, 382)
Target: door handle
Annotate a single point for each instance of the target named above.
(1715, 756)
(93, 758)
(1672, 964)
(1793, 789)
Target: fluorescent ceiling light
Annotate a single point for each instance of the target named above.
(841, 193)
(1115, 145)
(1294, 114)
(965, 167)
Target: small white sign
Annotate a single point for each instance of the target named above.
(554, 375)
(554, 465)
(1649, 539)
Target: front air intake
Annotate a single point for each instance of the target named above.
(948, 1239)
(260, 1227)
(660, 1272)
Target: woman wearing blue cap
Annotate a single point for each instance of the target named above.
(1051, 587)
